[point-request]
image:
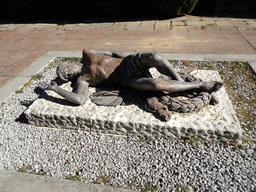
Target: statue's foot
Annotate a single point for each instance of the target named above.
(211, 86)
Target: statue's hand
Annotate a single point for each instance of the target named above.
(165, 114)
(51, 87)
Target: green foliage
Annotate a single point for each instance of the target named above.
(36, 77)
(27, 84)
(24, 86)
(239, 146)
(27, 169)
(19, 91)
(178, 7)
(22, 170)
(125, 28)
(186, 63)
(192, 141)
(148, 187)
(70, 59)
(102, 179)
(187, 6)
(182, 188)
(73, 178)
(146, 139)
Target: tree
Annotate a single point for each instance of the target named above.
(178, 7)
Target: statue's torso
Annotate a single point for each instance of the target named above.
(98, 68)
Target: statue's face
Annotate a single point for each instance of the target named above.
(68, 71)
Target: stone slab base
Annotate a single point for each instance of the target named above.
(211, 123)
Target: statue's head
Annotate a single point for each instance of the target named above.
(69, 71)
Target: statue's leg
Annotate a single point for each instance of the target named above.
(152, 84)
(161, 64)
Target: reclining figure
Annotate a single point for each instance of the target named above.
(115, 69)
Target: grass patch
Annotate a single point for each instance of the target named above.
(24, 86)
(59, 60)
(237, 146)
(27, 84)
(192, 141)
(125, 28)
(22, 170)
(186, 63)
(73, 178)
(36, 77)
(146, 139)
(182, 188)
(148, 187)
(27, 169)
(203, 27)
(103, 179)
(70, 59)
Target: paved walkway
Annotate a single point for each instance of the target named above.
(23, 44)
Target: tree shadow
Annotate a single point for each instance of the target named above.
(226, 8)
(80, 12)
(99, 11)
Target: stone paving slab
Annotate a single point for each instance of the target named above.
(212, 122)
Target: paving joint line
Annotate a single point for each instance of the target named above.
(247, 40)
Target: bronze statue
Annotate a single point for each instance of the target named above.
(115, 69)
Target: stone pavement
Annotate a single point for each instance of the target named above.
(23, 44)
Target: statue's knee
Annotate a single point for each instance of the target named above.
(157, 58)
(154, 56)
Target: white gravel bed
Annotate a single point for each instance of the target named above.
(129, 162)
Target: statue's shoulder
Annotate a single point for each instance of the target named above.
(89, 55)
(88, 51)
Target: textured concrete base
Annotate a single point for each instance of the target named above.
(212, 122)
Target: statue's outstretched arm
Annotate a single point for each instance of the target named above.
(78, 97)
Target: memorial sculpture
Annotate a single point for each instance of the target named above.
(126, 79)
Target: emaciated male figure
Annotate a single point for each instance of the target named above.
(104, 67)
